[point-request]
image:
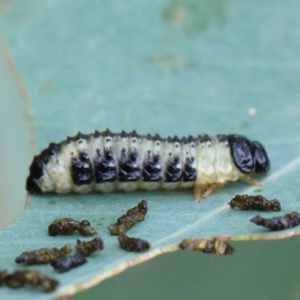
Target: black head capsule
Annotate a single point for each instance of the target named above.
(241, 152)
(261, 160)
(248, 156)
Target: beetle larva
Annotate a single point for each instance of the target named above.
(104, 162)
(278, 223)
(207, 246)
(246, 202)
(43, 255)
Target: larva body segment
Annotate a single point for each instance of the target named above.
(104, 162)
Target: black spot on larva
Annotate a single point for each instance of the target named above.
(149, 137)
(36, 168)
(152, 168)
(261, 160)
(189, 173)
(134, 134)
(222, 138)
(36, 171)
(107, 132)
(169, 139)
(31, 186)
(53, 149)
(241, 152)
(45, 156)
(80, 136)
(105, 166)
(97, 134)
(204, 138)
(157, 137)
(124, 134)
(173, 171)
(191, 139)
(175, 139)
(81, 169)
(129, 167)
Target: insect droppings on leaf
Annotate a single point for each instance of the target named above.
(133, 244)
(278, 223)
(246, 202)
(43, 255)
(66, 263)
(133, 215)
(34, 278)
(87, 248)
(67, 226)
(207, 246)
(3, 275)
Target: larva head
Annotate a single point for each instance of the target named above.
(261, 160)
(248, 156)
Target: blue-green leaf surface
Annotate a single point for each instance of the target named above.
(172, 67)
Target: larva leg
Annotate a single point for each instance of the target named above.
(199, 188)
(249, 180)
(213, 187)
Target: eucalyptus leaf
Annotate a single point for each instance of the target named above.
(154, 66)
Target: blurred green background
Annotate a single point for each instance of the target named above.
(189, 51)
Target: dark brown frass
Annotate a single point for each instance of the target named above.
(3, 275)
(246, 202)
(133, 244)
(34, 278)
(278, 223)
(67, 226)
(66, 263)
(207, 246)
(87, 248)
(132, 216)
(43, 255)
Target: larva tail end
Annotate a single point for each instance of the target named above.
(32, 187)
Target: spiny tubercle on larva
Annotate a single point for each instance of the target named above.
(34, 278)
(133, 215)
(65, 263)
(67, 226)
(43, 255)
(246, 202)
(106, 161)
(278, 223)
(207, 246)
(133, 244)
(87, 248)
